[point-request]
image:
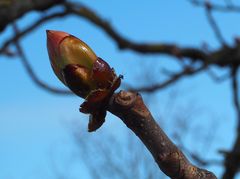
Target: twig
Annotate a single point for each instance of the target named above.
(200, 160)
(124, 43)
(216, 7)
(229, 3)
(12, 10)
(214, 25)
(30, 28)
(235, 90)
(174, 78)
(217, 78)
(130, 108)
(232, 159)
(193, 54)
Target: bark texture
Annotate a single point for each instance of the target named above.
(130, 108)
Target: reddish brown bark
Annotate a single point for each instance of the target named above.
(130, 108)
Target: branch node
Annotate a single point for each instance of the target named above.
(125, 100)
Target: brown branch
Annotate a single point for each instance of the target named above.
(217, 57)
(12, 10)
(217, 78)
(232, 159)
(228, 8)
(130, 108)
(236, 98)
(31, 73)
(214, 25)
(188, 71)
(124, 43)
(29, 29)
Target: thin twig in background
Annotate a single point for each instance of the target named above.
(174, 78)
(229, 3)
(202, 162)
(217, 78)
(216, 7)
(232, 158)
(235, 89)
(29, 29)
(214, 25)
(194, 54)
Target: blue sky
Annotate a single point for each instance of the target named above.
(33, 122)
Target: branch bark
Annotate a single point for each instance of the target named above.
(13, 9)
(224, 57)
(186, 72)
(229, 7)
(232, 160)
(130, 108)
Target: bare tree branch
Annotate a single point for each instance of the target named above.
(217, 57)
(29, 29)
(217, 78)
(232, 159)
(188, 71)
(214, 25)
(199, 160)
(123, 43)
(12, 10)
(228, 8)
(130, 108)
(235, 90)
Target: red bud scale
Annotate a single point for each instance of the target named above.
(88, 76)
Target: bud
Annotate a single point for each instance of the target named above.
(87, 75)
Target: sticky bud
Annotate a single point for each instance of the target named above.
(88, 76)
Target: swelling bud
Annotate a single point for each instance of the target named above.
(88, 76)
